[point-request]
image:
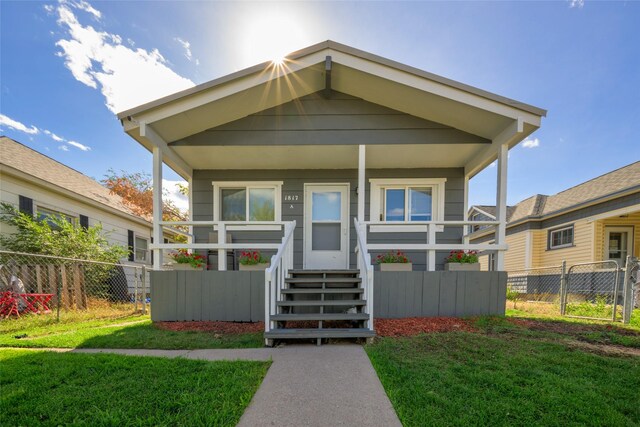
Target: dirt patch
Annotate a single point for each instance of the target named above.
(569, 328)
(420, 325)
(231, 328)
(606, 350)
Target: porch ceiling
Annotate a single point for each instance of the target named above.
(401, 156)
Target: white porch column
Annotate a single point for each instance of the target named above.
(361, 182)
(157, 206)
(466, 229)
(501, 204)
(190, 183)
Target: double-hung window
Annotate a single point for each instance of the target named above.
(247, 201)
(560, 238)
(48, 215)
(141, 248)
(407, 200)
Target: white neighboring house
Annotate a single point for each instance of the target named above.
(42, 186)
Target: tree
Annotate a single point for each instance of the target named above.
(57, 236)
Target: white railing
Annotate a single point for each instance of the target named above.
(365, 267)
(275, 275)
(430, 246)
(222, 227)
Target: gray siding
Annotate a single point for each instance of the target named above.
(439, 293)
(341, 119)
(293, 184)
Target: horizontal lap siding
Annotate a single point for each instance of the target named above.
(581, 251)
(514, 256)
(293, 184)
(631, 220)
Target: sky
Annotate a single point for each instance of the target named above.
(66, 68)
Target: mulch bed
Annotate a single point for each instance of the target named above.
(420, 325)
(215, 327)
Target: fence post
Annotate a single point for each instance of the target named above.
(627, 291)
(58, 296)
(144, 289)
(563, 288)
(135, 289)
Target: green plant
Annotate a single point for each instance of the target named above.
(183, 256)
(252, 258)
(392, 257)
(463, 257)
(512, 296)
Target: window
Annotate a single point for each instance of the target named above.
(560, 238)
(247, 201)
(45, 214)
(407, 200)
(141, 247)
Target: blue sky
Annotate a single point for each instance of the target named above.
(67, 66)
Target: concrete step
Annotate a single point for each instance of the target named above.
(320, 316)
(325, 303)
(301, 280)
(317, 272)
(319, 333)
(323, 291)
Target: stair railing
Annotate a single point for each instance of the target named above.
(365, 267)
(276, 274)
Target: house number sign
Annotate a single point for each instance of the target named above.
(290, 198)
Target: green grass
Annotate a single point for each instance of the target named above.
(502, 379)
(51, 389)
(125, 332)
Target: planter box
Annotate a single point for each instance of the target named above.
(458, 266)
(255, 267)
(396, 266)
(187, 267)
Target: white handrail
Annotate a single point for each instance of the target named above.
(274, 276)
(365, 267)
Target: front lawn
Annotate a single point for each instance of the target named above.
(127, 332)
(505, 374)
(45, 388)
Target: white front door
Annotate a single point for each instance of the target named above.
(618, 243)
(326, 226)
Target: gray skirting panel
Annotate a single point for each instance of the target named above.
(438, 293)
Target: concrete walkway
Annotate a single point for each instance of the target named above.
(307, 385)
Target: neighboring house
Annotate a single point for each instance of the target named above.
(365, 154)
(43, 187)
(597, 220)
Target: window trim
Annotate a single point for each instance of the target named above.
(135, 248)
(560, 229)
(38, 206)
(437, 186)
(220, 185)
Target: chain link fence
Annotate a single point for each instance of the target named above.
(48, 285)
(593, 290)
(536, 284)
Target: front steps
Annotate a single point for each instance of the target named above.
(329, 303)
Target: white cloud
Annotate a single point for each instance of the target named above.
(172, 193)
(576, 3)
(531, 143)
(63, 148)
(54, 136)
(78, 145)
(127, 77)
(16, 125)
(187, 48)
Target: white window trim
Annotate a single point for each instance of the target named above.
(219, 185)
(437, 196)
(38, 206)
(135, 249)
(557, 230)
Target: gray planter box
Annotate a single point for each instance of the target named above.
(458, 266)
(396, 266)
(255, 267)
(186, 267)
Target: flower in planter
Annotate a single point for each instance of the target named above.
(463, 257)
(183, 256)
(393, 257)
(252, 258)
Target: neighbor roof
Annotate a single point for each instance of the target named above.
(618, 181)
(28, 161)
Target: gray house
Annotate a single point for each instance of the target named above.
(322, 162)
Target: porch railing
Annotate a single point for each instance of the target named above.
(365, 267)
(430, 228)
(275, 275)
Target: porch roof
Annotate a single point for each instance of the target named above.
(350, 71)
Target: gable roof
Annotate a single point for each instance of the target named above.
(30, 162)
(618, 181)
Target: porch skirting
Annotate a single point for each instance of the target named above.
(238, 296)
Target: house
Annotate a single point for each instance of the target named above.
(597, 220)
(322, 161)
(43, 187)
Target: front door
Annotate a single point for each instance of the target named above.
(618, 243)
(326, 226)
